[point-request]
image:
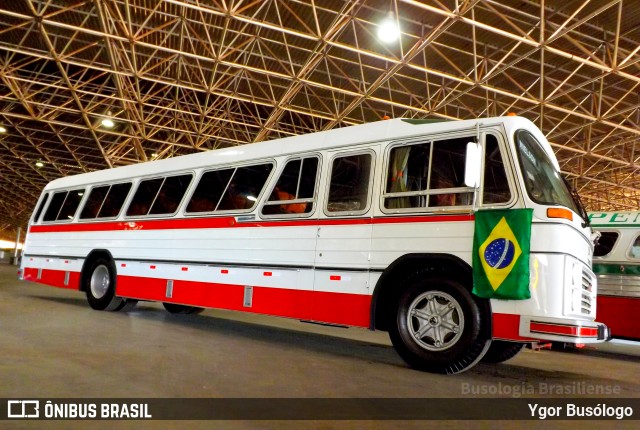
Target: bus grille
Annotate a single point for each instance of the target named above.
(582, 292)
(588, 293)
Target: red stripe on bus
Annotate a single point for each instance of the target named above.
(336, 308)
(54, 278)
(507, 326)
(230, 222)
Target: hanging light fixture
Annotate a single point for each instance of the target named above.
(2, 129)
(107, 121)
(388, 29)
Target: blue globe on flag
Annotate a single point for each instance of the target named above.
(499, 253)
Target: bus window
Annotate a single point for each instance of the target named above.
(94, 202)
(447, 173)
(634, 252)
(54, 207)
(408, 171)
(70, 205)
(428, 175)
(349, 187)
(245, 186)
(115, 199)
(209, 190)
(606, 243)
(295, 189)
(39, 210)
(170, 194)
(496, 187)
(144, 197)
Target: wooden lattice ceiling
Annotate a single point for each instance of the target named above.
(186, 75)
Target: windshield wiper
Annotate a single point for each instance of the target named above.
(582, 211)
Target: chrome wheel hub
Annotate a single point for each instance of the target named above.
(100, 281)
(435, 320)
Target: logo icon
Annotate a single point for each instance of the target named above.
(23, 409)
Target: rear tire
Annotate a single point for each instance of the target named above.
(501, 351)
(100, 285)
(438, 326)
(173, 308)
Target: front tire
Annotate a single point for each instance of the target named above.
(438, 326)
(100, 286)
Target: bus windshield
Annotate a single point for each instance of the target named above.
(543, 181)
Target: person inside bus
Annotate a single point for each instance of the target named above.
(288, 208)
(440, 180)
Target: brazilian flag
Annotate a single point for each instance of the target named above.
(501, 253)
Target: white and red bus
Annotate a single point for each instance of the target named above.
(616, 262)
(367, 226)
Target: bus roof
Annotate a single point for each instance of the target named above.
(379, 131)
(615, 219)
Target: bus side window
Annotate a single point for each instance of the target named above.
(605, 244)
(496, 186)
(40, 208)
(245, 186)
(634, 252)
(170, 194)
(70, 205)
(209, 190)
(294, 192)
(408, 171)
(447, 172)
(144, 197)
(94, 202)
(349, 186)
(54, 207)
(115, 199)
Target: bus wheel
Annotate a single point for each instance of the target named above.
(173, 308)
(438, 326)
(501, 351)
(100, 285)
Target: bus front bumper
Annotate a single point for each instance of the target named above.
(564, 330)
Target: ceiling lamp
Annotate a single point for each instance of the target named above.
(39, 164)
(2, 129)
(107, 122)
(388, 29)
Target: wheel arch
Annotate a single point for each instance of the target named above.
(387, 292)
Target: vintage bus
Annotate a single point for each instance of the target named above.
(616, 262)
(366, 226)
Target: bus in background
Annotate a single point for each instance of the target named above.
(374, 226)
(616, 262)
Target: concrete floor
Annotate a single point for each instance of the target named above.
(53, 345)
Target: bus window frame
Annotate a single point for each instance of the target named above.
(427, 138)
(616, 244)
(76, 214)
(508, 161)
(138, 181)
(204, 170)
(279, 169)
(370, 189)
(628, 254)
(44, 200)
(125, 203)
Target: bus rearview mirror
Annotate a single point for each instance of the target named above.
(472, 167)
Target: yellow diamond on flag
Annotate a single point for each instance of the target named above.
(499, 253)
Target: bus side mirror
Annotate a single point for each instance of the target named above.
(472, 166)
